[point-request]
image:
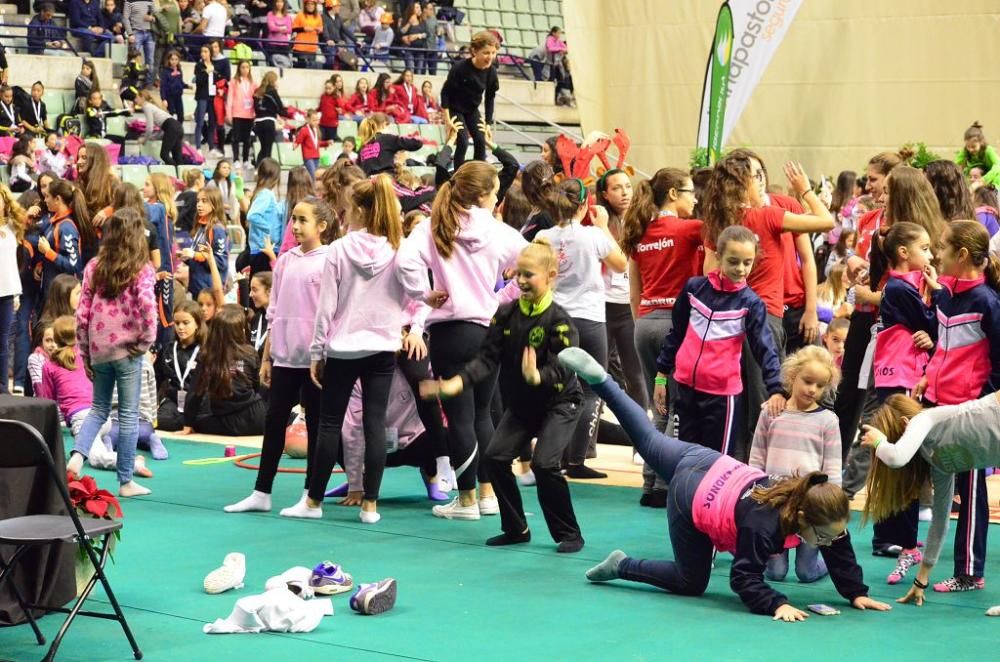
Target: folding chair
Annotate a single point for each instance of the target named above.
(24, 447)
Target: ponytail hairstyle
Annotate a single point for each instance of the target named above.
(370, 127)
(725, 195)
(952, 192)
(650, 196)
(516, 207)
(64, 333)
(124, 253)
(891, 491)
(884, 162)
(473, 180)
(819, 501)
(324, 212)
(540, 250)
(128, 196)
(975, 239)
(268, 83)
(986, 196)
(73, 198)
(735, 233)
(376, 200)
(536, 182)
(912, 199)
(902, 233)
(565, 199)
(224, 349)
(164, 189)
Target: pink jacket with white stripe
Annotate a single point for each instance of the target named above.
(711, 318)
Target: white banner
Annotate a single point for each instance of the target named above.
(758, 28)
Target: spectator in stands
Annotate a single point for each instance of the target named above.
(335, 32)
(357, 106)
(33, 113)
(44, 38)
(429, 18)
(213, 19)
(349, 10)
(370, 18)
(279, 34)
(98, 112)
(308, 29)
(157, 116)
(191, 15)
(83, 21)
(406, 96)
(413, 37)
(241, 114)
(382, 39)
(259, 9)
(382, 100)
(110, 19)
(138, 17)
(430, 102)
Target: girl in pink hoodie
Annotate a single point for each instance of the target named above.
(466, 249)
(356, 336)
(284, 368)
(239, 111)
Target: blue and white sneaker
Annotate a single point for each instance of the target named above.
(330, 579)
(371, 599)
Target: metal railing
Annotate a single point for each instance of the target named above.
(65, 32)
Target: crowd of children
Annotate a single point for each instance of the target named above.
(460, 324)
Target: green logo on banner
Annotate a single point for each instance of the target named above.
(721, 57)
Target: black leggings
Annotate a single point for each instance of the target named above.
(266, 131)
(594, 341)
(851, 399)
(289, 387)
(375, 372)
(241, 136)
(416, 371)
(172, 147)
(470, 426)
(620, 328)
(471, 122)
(245, 423)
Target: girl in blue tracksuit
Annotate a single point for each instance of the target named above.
(67, 235)
(172, 85)
(209, 229)
(711, 317)
(966, 366)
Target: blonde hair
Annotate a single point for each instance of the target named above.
(540, 251)
(164, 189)
(891, 491)
(794, 364)
(376, 200)
(192, 175)
(16, 217)
(64, 335)
(833, 286)
(370, 127)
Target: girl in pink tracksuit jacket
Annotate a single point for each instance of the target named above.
(291, 315)
(356, 336)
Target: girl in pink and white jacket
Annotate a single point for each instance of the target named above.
(356, 336)
(284, 368)
(718, 503)
(116, 324)
(240, 111)
(466, 250)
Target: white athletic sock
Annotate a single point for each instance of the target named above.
(133, 489)
(257, 502)
(302, 510)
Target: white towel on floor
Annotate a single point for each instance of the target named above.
(278, 610)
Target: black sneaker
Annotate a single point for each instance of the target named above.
(583, 472)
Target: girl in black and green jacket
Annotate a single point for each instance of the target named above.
(542, 400)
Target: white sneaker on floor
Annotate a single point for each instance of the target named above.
(637, 460)
(527, 479)
(229, 576)
(489, 506)
(925, 515)
(455, 510)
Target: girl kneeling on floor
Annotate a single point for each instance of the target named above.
(718, 503)
(541, 396)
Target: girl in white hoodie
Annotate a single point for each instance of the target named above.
(284, 368)
(466, 250)
(356, 336)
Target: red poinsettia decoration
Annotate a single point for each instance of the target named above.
(88, 499)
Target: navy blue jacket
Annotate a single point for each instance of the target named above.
(171, 83)
(40, 33)
(83, 15)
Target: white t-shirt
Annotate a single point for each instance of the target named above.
(215, 14)
(10, 280)
(580, 286)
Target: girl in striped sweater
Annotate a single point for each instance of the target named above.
(803, 439)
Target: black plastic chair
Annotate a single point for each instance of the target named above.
(24, 447)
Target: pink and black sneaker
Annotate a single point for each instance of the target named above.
(960, 583)
(907, 559)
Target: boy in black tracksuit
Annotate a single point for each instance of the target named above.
(542, 399)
